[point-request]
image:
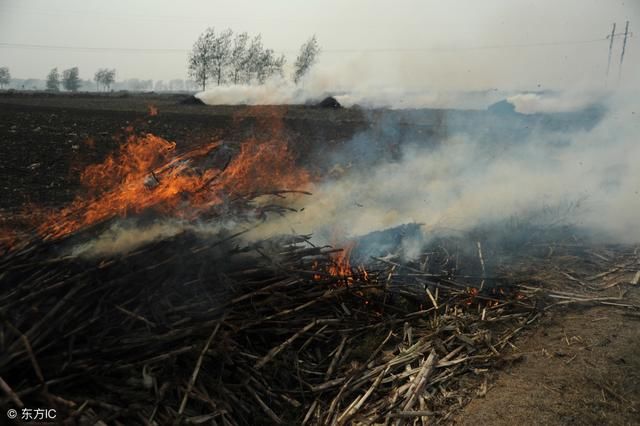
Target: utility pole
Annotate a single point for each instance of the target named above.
(624, 45)
(610, 37)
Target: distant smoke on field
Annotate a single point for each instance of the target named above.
(321, 83)
(584, 176)
(532, 103)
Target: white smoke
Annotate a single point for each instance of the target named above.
(532, 103)
(466, 182)
(321, 83)
(128, 235)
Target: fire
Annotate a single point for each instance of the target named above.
(147, 172)
(153, 111)
(341, 265)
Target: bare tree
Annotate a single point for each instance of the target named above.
(5, 77)
(268, 65)
(109, 78)
(53, 80)
(200, 62)
(238, 57)
(98, 76)
(105, 77)
(308, 55)
(238, 60)
(71, 79)
(251, 63)
(221, 55)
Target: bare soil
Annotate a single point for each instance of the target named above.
(581, 367)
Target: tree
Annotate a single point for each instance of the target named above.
(200, 62)
(251, 64)
(221, 55)
(105, 77)
(268, 65)
(308, 54)
(53, 80)
(5, 77)
(71, 79)
(237, 58)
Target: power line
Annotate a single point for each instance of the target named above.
(92, 49)
(364, 50)
(624, 46)
(613, 34)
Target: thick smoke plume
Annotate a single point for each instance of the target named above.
(588, 175)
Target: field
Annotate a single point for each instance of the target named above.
(579, 363)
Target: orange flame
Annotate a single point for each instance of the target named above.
(153, 111)
(341, 266)
(147, 172)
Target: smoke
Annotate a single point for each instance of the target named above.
(127, 235)
(350, 88)
(588, 173)
(532, 103)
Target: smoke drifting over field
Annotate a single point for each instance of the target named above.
(585, 176)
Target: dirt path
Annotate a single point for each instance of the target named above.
(581, 367)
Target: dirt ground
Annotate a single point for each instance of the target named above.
(579, 365)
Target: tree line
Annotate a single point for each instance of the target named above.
(70, 79)
(225, 58)
(222, 58)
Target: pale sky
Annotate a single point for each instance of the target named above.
(454, 44)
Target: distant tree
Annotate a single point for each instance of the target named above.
(53, 80)
(109, 78)
(251, 63)
(268, 65)
(71, 79)
(5, 77)
(105, 77)
(237, 60)
(221, 55)
(200, 59)
(98, 77)
(238, 57)
(308, 54)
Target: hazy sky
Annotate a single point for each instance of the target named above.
(455, 44)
